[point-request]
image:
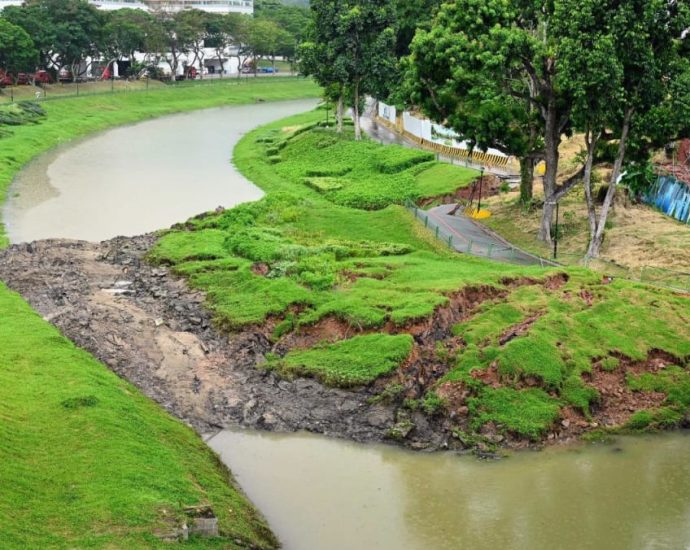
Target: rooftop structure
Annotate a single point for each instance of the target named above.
(213, 6)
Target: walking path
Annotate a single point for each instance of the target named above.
(469, 237)
(460, 232)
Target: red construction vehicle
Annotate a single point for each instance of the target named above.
(5, 79)
(42, 77)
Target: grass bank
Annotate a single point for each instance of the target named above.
(70, 118)
(330, 265)
(87, 461)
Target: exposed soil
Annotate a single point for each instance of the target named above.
(491, 186)
(151, 329)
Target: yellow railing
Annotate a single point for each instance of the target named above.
(476, 157)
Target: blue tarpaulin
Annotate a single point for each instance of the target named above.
(671, 196)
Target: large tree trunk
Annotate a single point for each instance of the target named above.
(358, 125)
(340, 113)
(526, 179)
(591, 140)
(552, 139)
(598, 238)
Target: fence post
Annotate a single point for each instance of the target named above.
(491, 247)
(426, 221)
(450, 241)
(469, 247)
(437, 228)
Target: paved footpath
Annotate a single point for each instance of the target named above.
(462, 233)
(469, 237)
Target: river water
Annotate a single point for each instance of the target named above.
(324, 494)
(139, 178)
(318, 493)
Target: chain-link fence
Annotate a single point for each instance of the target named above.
(43, 92)
(465, 236)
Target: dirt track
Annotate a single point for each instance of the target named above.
(151, 329)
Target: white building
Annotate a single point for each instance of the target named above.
(213, 6)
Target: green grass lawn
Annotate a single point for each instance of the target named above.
(331, 241)
(87, 461)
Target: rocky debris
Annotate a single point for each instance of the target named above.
(150, 328)
(520, 329)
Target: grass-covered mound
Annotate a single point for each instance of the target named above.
(86, 461)
(328, 269)
(18, 114)
(363, 175)
(359, 360)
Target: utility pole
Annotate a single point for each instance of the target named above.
(481, 182)
(555, 240)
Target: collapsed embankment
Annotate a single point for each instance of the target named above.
(153, 330)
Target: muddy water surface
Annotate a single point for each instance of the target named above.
(139, 178)
(325, 494)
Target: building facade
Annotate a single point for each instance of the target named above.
(213, 6)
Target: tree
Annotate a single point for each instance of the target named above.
(76, 32)
(320, 54)
(649, 47)
(17, 51)
(366, 38)
(219, 34)
(262, 40)
(411, 16)
(35, 20)
(591, 69)
(125, 32)
(191, 26)
(489, 69)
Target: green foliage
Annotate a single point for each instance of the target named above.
(610, 363)
(18, 114)
(433, 404)
(378, 268)
(17, 51)
(366, 175)
(353, 362)
(392, 160)
(578, 394)
(528, 413)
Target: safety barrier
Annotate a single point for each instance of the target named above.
(474, 157)
(476, 247)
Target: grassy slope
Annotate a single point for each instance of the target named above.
(637, 236)
(71, 118)
(86, 461)
(298, 255)
(110, 473)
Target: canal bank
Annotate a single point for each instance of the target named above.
(420, 525)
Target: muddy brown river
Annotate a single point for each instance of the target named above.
(137, 179)
(325, 494)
